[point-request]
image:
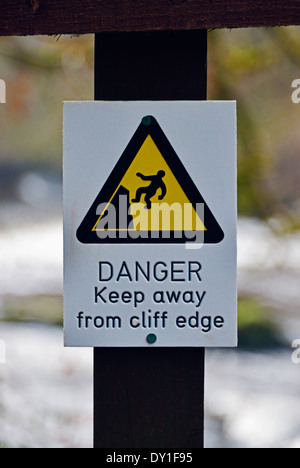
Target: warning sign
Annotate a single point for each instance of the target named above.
(149, 196)
(150, 224)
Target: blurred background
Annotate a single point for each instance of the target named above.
(252, 393)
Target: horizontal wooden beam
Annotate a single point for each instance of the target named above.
(31, 17)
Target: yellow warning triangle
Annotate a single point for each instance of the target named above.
(149, 197)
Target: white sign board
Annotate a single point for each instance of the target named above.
(150, 224)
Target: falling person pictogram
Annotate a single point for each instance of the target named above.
(151, 190)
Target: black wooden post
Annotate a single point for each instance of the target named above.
(149, 397)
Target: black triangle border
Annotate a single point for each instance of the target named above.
(149, 126)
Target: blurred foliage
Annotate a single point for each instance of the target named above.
(254, 66)
(41, 73)
(257, 329)
(42, 309)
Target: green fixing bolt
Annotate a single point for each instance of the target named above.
(151, 338)
(147, 121)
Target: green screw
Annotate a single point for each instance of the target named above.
(151, 338)
(147, 121)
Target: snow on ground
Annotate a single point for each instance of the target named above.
(46, 390)
(261, 249)
(31, 259)
(252, 399)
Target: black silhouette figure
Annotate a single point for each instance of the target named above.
(151, 190)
